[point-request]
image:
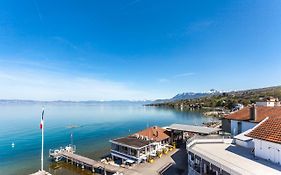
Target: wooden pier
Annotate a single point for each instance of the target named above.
(90, 164)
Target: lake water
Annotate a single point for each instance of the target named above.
(98, 123)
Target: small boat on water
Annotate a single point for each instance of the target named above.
(55, 153)
(73, 126)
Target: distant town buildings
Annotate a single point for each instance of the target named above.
(237, 107)
(269, 102)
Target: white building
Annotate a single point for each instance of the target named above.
(141, 145)
(270, 102)
(244, 140)
(221, 156)
(130, 149)
(159, 136)
(267, 139)
(248, 117)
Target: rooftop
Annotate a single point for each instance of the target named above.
(234, 159)
(262, 113)
(269, 130)
(131, 142)
(243, 136)
(154, 133)
(192, 128)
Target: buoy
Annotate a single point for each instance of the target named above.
(13, 145)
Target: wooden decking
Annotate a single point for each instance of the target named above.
(90, 164)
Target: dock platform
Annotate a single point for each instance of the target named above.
(41, 173)
(90, 164)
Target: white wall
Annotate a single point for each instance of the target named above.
(266, 103)
(245, 126)
(268, 150)
(245, 144)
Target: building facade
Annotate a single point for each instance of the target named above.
(267, 139)
(130, 149)
(268, 150)
(221, 156)
(248, 117)
(140, 146)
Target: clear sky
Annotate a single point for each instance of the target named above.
(136, 49)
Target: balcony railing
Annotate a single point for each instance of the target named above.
(208, 139)
(192, 171)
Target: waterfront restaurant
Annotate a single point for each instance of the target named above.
(130, 149)
(141, 145)
(159, 136)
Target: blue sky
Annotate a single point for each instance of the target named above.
(136, 49)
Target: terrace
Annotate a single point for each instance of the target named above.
(221, 156)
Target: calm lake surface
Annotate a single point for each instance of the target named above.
(98, 123)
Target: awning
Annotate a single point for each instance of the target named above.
(192, 128)
(129, 161)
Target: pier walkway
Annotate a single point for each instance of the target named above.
(90, 164)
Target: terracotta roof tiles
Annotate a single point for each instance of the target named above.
(155, 133)
(262, 113)
(269, 130)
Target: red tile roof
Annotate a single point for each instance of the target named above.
(155, 133)
(269, 130)
(262, 113)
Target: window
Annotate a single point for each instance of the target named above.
(133, 152)
(239, 127)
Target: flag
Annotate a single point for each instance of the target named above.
(42, 120)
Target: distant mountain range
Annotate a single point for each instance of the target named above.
(215, 98)
(250, 94)
(124, 102)
(188, 96)
(193, 95)
(181, 96)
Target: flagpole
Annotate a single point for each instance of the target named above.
(42, 150)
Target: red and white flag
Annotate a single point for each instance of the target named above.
(42, 120)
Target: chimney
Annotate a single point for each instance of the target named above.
(253, 112)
